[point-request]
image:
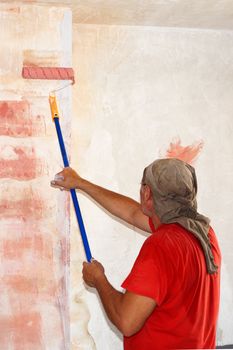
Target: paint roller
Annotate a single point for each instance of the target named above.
(60, 73)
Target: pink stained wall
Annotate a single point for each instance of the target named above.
(186, 153)
(34, 224)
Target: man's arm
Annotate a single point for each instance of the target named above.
(118, 205)
(129, 311)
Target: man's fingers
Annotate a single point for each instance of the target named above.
(85, 264)
(55, 184)
(59, 177)
(58, 180)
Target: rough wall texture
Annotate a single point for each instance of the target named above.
(138, 90)
(34, 224)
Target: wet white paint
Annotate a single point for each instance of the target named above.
(139, 88)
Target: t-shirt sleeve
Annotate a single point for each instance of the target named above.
(149, 275)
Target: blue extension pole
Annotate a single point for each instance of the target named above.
(73, 193)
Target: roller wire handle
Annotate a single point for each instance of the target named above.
(55, 116)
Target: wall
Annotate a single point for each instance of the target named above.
(34, 218)
(139, 89)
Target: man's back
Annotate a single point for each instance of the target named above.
(171, 269)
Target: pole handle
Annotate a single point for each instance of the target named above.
(55, 116)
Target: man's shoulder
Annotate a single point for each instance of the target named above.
(169, 235)
(166, 230)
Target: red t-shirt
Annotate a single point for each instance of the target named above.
(171, 269)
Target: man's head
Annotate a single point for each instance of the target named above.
(169, 187)
(173, 187)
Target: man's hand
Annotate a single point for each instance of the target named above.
(92, 273)
(66, 179)
(127, 311)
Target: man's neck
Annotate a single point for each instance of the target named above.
(156, 221)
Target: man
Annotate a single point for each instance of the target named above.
(171, 297)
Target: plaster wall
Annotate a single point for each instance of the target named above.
(34, 218)
(139, 89)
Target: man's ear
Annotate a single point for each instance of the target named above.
(148, 197)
